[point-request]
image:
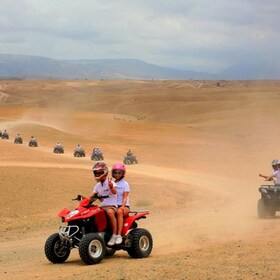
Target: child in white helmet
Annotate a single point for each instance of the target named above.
(58, 144)
(276, 172)
(106, 187)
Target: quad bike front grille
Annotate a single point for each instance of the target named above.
(67, 232)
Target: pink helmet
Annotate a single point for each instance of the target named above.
(119, 166)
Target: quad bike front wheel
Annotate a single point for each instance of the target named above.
(92, 248)
(141, 243)
(57, 250)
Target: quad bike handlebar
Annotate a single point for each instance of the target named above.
(267, 178)
(93, 198)
(78, 197)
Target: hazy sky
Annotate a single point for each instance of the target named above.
(205, 35)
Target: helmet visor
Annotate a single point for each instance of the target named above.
(98, 173)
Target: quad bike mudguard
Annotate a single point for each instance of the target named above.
(128, 221)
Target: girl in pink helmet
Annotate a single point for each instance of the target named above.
(118, 173)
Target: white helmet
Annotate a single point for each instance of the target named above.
(275, 163)
(100, 171)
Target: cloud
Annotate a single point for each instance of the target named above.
(189, 34)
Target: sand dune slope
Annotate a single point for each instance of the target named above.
(200, 148)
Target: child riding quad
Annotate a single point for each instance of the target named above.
(18, 139)
(58, 148)
(79, 151)
(97, 154)
(33, 142)
(130, 158)
(88, 230)
(5, 135)
(269, 202)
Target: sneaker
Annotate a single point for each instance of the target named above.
(118, 239)
(112, 240)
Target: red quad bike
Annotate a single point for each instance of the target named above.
(88, 229)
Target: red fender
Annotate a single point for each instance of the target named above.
(63, 212)
(84, 213)
(128, 221)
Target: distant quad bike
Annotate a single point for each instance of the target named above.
(269, 202)
(33, 143)
(130, 159)
(88, 230)
(18, 140)
(5, 135)
(97, 156)
(58, 150)
(79, 153)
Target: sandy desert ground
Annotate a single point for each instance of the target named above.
(200, 149)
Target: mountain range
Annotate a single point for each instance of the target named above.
(36, 67)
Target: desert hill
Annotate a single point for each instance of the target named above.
(36, 67)
(200, 147)
(18, 67)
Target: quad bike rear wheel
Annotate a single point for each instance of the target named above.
(58, 150)
(79, 154)
(33, 144)
(141, 243)
(127, 161)
(57, 250)
(18, 141)
(92, 248)
(265, 210)
(97, 157)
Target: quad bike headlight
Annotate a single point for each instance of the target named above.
(71, 214)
